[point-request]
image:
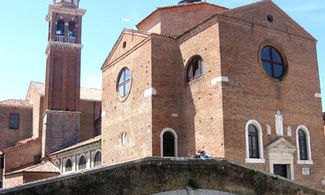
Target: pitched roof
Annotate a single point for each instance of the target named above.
(243, 8)
(90, 94)
(16, 103)
(124, 31)
(46, 166)
(87, 142)
(177, 6)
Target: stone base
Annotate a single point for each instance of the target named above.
(61, 129)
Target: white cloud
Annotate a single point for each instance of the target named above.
(125, 19)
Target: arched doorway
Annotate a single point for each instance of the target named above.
(168, 144)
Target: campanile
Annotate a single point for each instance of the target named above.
(61, 120)
(62, 91)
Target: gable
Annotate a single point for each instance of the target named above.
(127, 40)
(281, 144)
(257, 14)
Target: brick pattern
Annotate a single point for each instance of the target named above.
(131, 115)
(252, 94)
(201, 119)
(62, 85)
(90, 111)
(61, 129)
(9, 137)
(21, 156)
(176, 20)
(37, 100)
(213, 115)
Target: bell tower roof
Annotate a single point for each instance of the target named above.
(188, 1)
(67, 3)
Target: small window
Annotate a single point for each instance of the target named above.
(98, 159)
(82, 163)
(123, 138)
(14, 121)
(98, 126)
(302, 145)
(269, 18)
(68, 166)
(124, 82)
(273, 62)
(253, 142)
(195, 68)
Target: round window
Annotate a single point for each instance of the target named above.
(124, 81)
(273, 62)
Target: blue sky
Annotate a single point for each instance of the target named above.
(23, 35)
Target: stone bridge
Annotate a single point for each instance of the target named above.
(167, 176)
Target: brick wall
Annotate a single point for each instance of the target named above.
(178, 19)
(165, 102)
(252, 94)
(202, 120)
(62, 85)
(90, 111)
(21, 155)
(131, 115)
(9, 137)
(60, 129)
(37, 100)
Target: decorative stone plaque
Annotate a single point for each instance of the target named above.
(279, 124)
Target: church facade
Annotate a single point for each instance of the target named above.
(240, 83)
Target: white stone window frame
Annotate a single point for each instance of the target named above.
(172, 131)
(64, 165)
(93, 157)
(306, 131)
(78, 159)
(260, 142)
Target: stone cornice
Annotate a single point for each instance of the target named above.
(64, 10)
(62, 44)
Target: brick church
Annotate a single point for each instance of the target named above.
(242, 84)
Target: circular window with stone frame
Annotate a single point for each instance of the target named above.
(123, 83)
(273, 62)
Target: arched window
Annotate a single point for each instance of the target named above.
(72, 32)
(60, 28)
(273, 62)
(254, 142)
(124, 81)
(168, 142)
(98, 159)
(195, 68)
(82, 163)
(68, 166)
(303, 145)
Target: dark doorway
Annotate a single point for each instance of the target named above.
(168, 144)
(280, 170)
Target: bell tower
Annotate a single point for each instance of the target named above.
(61, 120)
(62, 85)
